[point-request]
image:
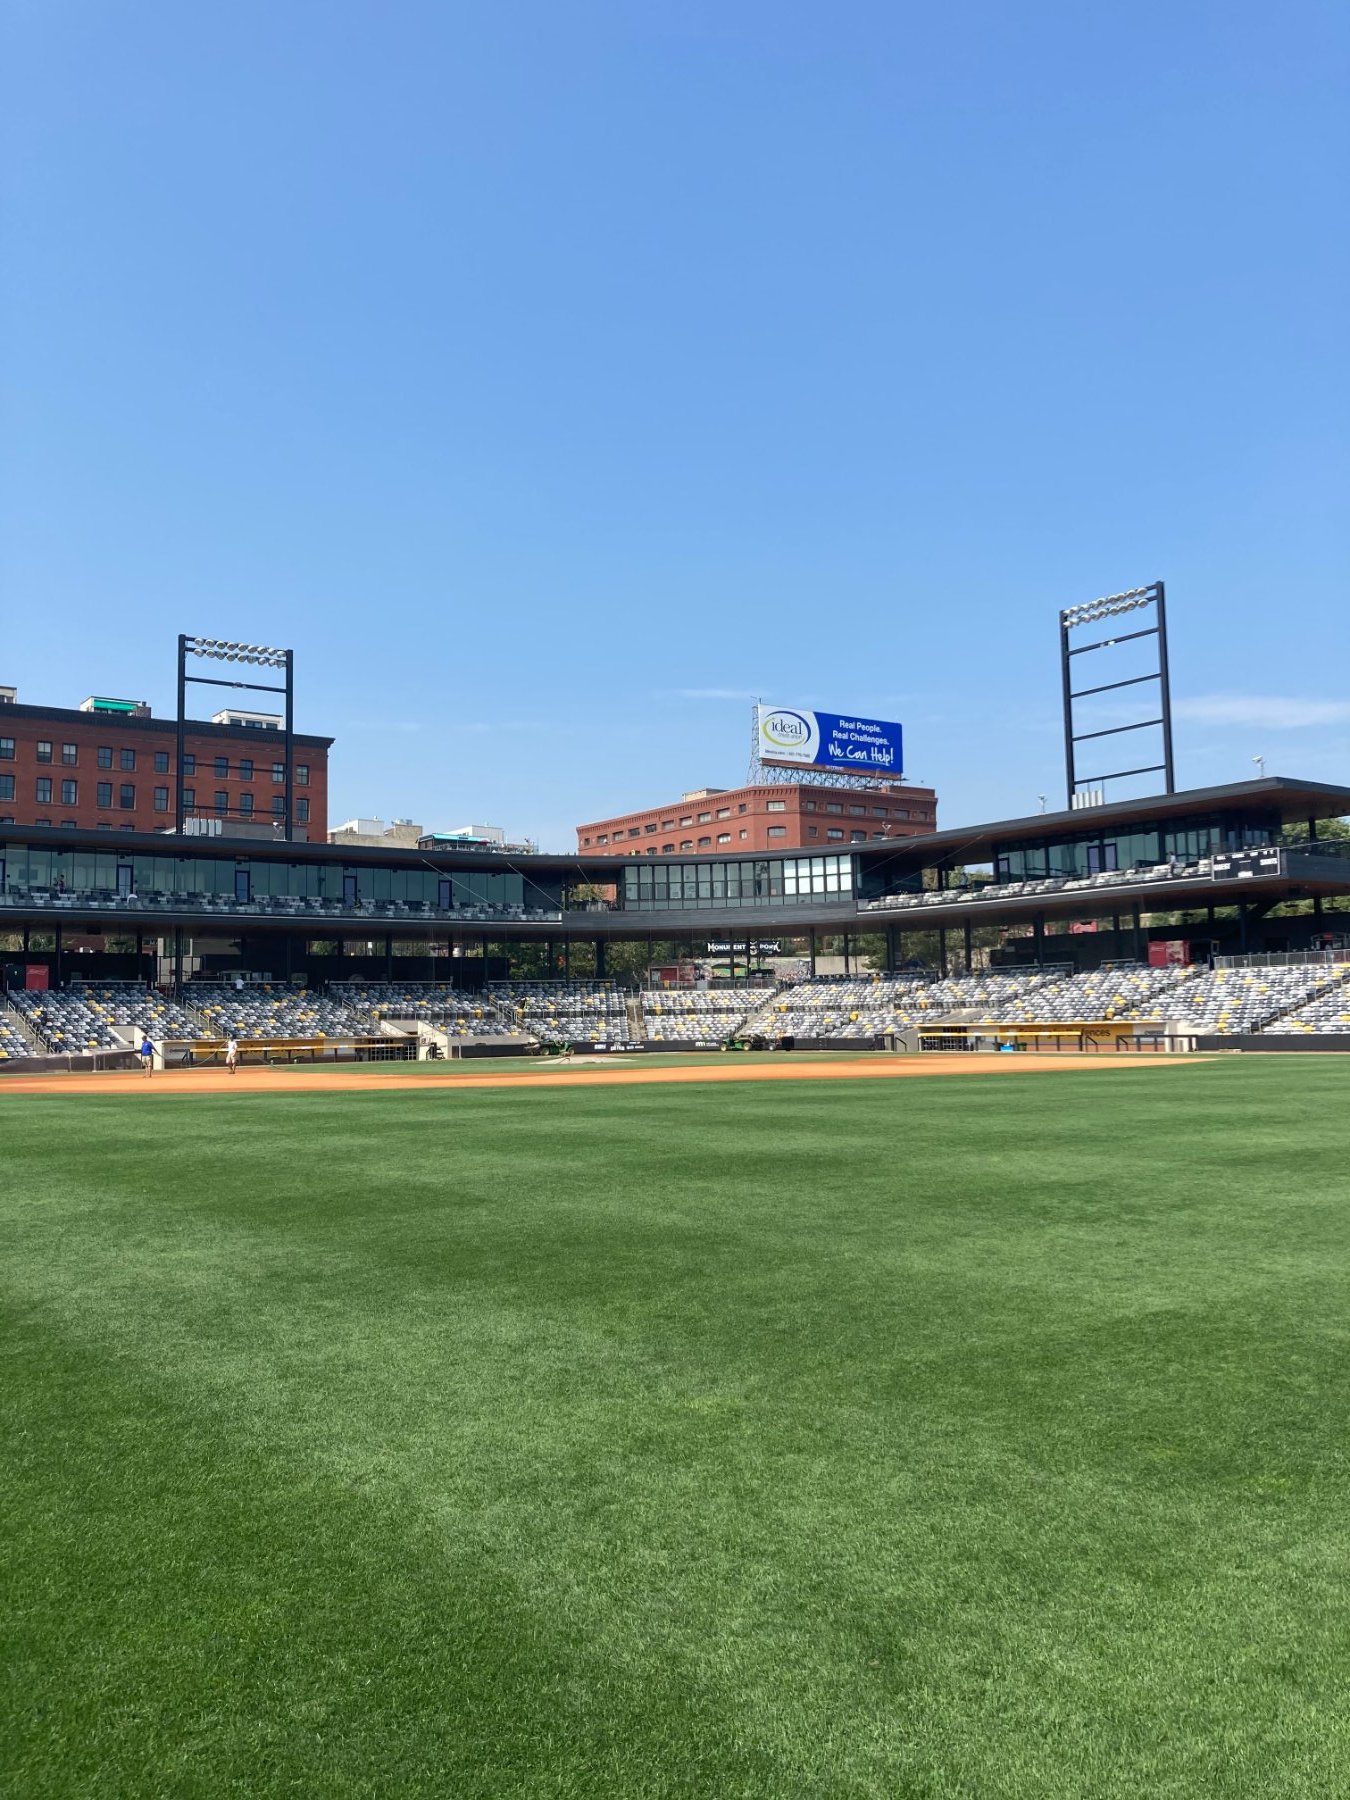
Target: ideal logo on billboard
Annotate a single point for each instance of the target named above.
(829, 741)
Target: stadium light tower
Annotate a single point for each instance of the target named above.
(263, 656)
(1094, 612)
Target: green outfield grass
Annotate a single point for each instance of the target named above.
(981, 1437)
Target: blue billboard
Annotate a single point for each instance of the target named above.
(820, 740)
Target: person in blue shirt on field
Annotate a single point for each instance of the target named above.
(147, 1056)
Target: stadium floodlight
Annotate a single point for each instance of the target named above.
(1092, 612)
(1260, 762)
(264, 656)
(258, 656)
(1109, 607)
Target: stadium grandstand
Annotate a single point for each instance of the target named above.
(1205, 913)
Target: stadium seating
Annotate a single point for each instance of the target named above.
(262, 1010)
(564, 1012)
(1054, 884)
(13, 1043)
(1326, 1014)
(457, 1013)
(693, 1016)
(82, 1017)
(1218, 1002)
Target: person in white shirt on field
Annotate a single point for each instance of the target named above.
(231, 1055)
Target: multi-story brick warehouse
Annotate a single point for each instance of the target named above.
(786, 817)
(111, 770)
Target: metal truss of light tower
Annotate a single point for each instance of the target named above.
(264, 656)
(762, 774)
(1087, 789)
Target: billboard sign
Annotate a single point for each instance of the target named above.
(821, 740)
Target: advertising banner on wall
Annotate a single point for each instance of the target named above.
(796, 738)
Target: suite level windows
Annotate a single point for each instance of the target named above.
(44, 751)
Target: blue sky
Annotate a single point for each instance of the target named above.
(556, 377)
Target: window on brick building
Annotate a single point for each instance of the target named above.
(302, 774)
(705, 843)
(246, 805)
(832, 833)
(6, 749)
(603, 838)
(70, 755)
(222, 801)
(189, 800)
(161, 799)
(724, 837)
(69, 792)
(221, 767)
(161, 762)
(687, 844)
(724, 812)
(667, 849)
(650, 830)
(742, 834)
(775, 806)
(44, 751)
(857, 837)
(104, 793)
(126, 759)
(105, 756)
(811, 831)
(279, 774)
(279, 807)
(126, 796)
(778, 831)
(6, 787)
(833, 806)
(44, 790)
(189, 763)
(245, 768)
(633, 831)
(302, 812)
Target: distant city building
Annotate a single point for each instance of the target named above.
(108, 765)
(787, 817)
(401, 835)
(475, 837)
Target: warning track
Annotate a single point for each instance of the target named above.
(348, 1080)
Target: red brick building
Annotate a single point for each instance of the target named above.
(110, 770)
(786, 817)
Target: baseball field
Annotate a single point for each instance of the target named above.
(756, 1438)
